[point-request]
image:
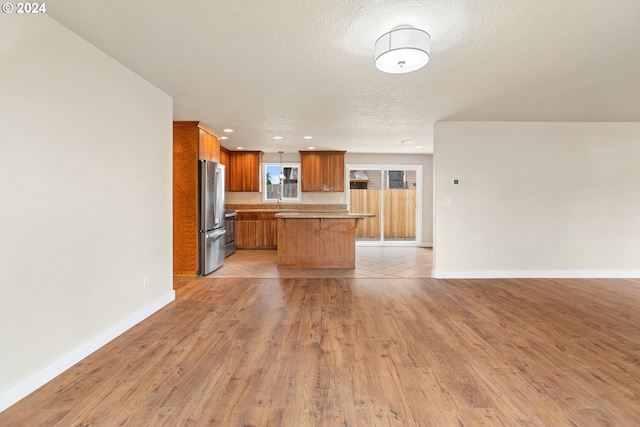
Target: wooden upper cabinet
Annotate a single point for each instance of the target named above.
(322, 170)
(310, 171)
(197, 138)
(333, 171)
(209, 146)
(244, 170)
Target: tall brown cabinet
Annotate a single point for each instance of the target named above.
(191, 141)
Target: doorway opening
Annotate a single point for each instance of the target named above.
(393, 194)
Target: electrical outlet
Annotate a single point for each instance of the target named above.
(145, 283)
(446, 201)
(492, 254)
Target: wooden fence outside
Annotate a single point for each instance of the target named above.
(399, 211)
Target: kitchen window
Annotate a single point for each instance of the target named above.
(282, 182)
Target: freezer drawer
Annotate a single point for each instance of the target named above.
(211, 254)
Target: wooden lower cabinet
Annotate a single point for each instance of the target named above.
(268, 230)
(256, 230)
(247, 227)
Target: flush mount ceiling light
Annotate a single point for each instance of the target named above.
(402, 50)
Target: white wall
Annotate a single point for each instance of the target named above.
(537, 199)
(85, 182)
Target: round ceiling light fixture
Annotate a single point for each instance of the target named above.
(402, 50)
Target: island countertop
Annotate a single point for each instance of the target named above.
(322, 215)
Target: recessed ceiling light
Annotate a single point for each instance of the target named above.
(277, 137)
(240, 148)
(223, 137)
(227, 130)
(419, 146)
(311, 148)
(308, 137)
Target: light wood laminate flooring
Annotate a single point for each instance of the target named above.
(336, 351)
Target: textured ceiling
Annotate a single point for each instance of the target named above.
(292, 68)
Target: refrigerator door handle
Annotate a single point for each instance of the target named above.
(217, 233)
(219, 195)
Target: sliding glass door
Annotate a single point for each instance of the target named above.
(392, 193)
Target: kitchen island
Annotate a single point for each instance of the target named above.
(318, 239)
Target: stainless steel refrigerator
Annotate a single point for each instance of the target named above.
(211, 217)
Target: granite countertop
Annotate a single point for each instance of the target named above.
(319, 215)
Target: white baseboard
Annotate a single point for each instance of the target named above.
(536, 274)
(38, 379)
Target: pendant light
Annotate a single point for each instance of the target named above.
(281, 181)
(402, 50)
(281, 168)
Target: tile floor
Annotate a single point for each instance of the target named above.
(371, 262)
